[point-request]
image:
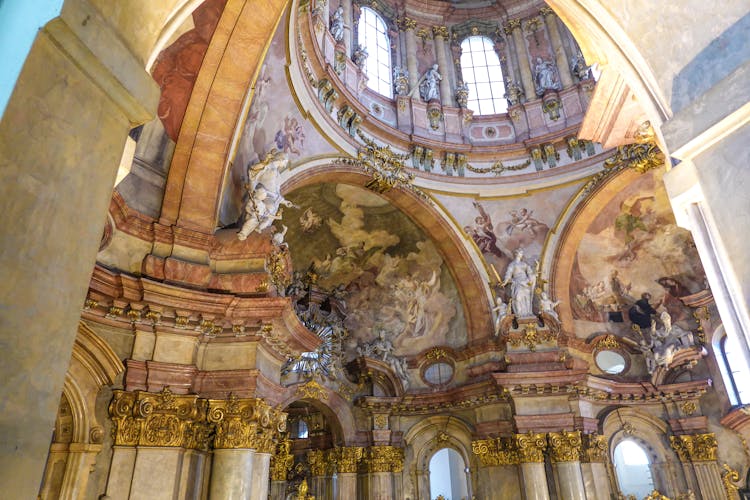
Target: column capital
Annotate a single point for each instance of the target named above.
(511, 25)
(318, 462)
(406, 23)
(531, 447)
(383, 459)
(347, 458)
(695, 447)
(497, 451)
(595, 448)
(546, 11)
(565, 446)
(441, 31)
(282, 460)
(159, 419)
(245, 423)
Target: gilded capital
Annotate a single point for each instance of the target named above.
(565, 446)
(531, 447)
(282, 461)
(347, 458)
(441, 31)
(512, 24)
(245, 423)
(159, 419)
(383, 459)
(594, 448)
(318, 461)
(497, 451)
(405, 23)
(695, 447)
(546, 11)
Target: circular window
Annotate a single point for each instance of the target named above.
(610, 362)
(438, 373)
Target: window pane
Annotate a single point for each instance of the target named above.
(373, 36)
(481, 71)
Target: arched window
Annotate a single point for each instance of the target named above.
(448, 475)
(373, 35)
(481, 71)
(734, 368)
(633, 469)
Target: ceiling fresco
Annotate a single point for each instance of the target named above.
(389, 271)
(634, 247)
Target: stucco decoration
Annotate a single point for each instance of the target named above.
(392, 275)
(634, 262)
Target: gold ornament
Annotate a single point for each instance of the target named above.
(531, 447)
(312, 390)
(383, 459)
(729, 477)
(245, 423)
(695, 447)
(608, 342)
(594, 448)
(639, 157)
(565, 446)
(441, 31)
(282, 461)
(347, 458)
(318, 462)
(497, 451)
(436, 353)
(159, 419)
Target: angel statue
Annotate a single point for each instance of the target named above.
(264, 194)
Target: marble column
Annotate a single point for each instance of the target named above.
(531, 448)
(63, 133)
(320, 483)
(527, 79)
(440, 37)
(278, 490)
(498, 472)
(347, 462)
(380, 463)
(563, 66)
(245, 430)
(232, 474)
(155, 435)
(565, 453)
(348, 28)
(594, 467)
(697, 452)
(408, 26)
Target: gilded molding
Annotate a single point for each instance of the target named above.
(531, 447)
(565, 446)
(436, 353)
(695, 447)
(383, 459)
(497, 451)
(312, 390)
(607, 343)
(595, 448)
(159, 419)
(282, 461)
(245, 423)
(640, 157)
(546, 11)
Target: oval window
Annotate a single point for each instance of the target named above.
(438, 373)
(610, 362)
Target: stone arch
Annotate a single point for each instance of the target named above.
(334, 407)
(94, 365)
(462, 261)
(425, 439)
(650, 433)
